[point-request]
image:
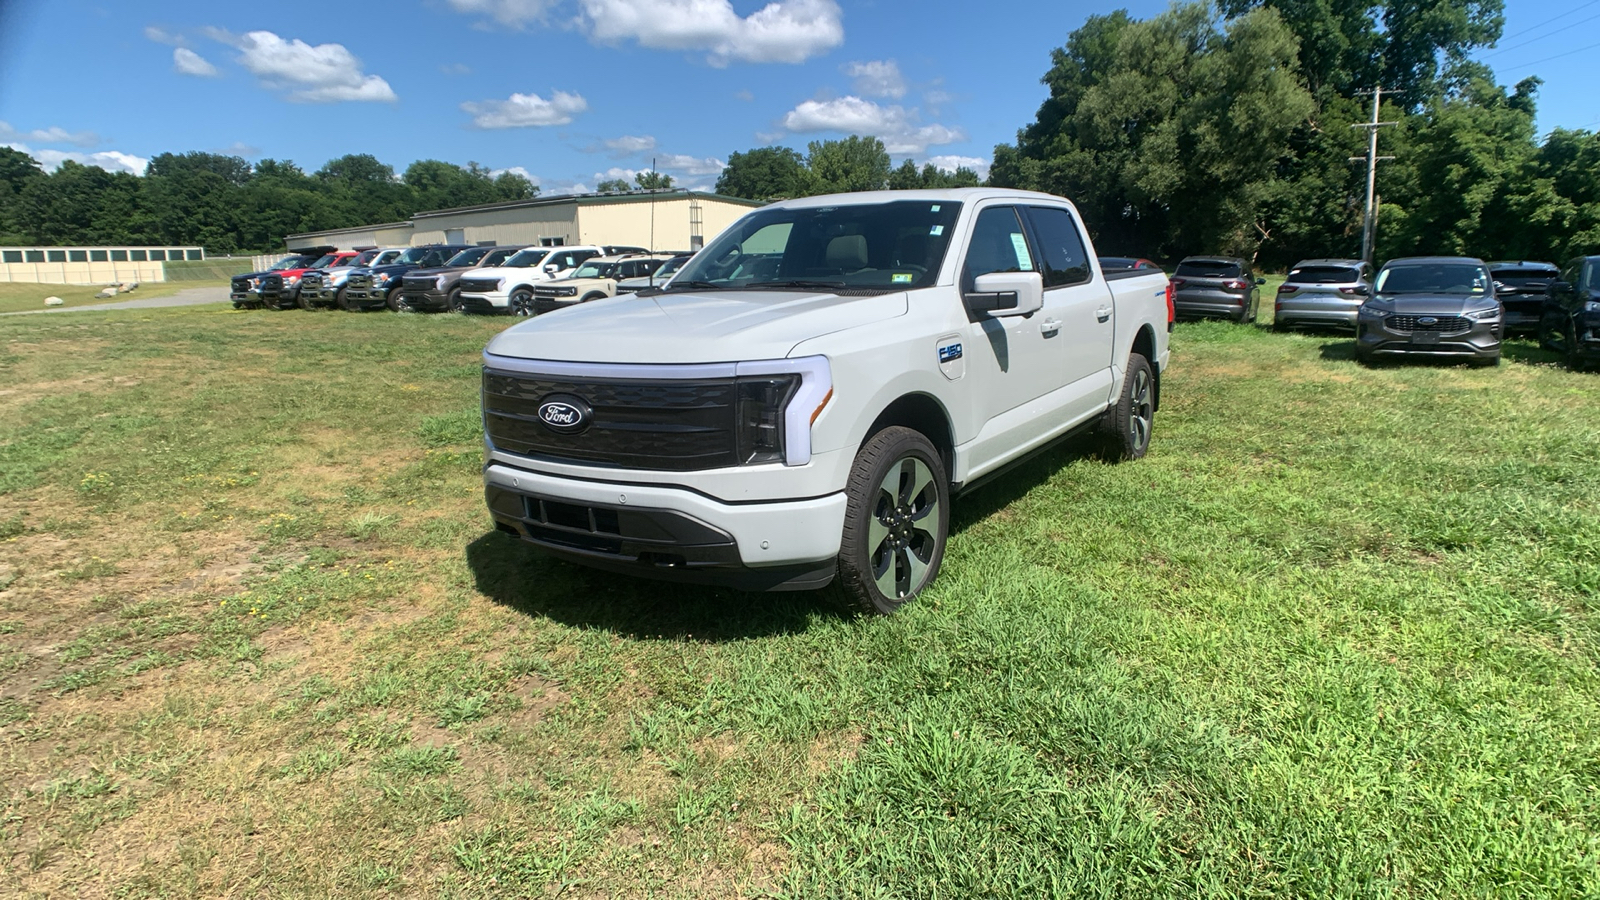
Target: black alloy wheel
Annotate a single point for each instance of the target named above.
(897, 520)
(1125, 431)
(393, 301)
(521, 303)
(455, 301)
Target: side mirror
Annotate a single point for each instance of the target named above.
(550, 268)
(1560, 287)
(1363, 290)
(1007, 294)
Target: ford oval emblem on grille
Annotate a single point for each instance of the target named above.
(1427, 320)
(565, 415)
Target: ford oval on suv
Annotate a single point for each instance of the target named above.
(1442, 307)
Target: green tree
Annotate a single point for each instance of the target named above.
(17, 171)
(80, 204)
(853, 164)
(364, 191)
(196, 197)
(653, 181)
(907, 177)
(765, 173)
(613, 186)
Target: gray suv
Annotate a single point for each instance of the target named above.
(1443, 307)
(1216, 286)
(1322, 293)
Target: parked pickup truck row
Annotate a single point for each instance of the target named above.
(800, 402)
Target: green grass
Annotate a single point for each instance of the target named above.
(21, 297)
(1335, 636)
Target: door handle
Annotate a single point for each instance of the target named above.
(1103, 313)
(1050, 326)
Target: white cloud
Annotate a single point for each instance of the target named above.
(188, 62)
(629, 144)
(511, 13)
(163, 36)
(51, 135)
(110, 160)
(614, 173)
(562, 188)
(526, 110)
(693, 166)
(878, 78)
(456, 69)
(952, 163)
(325, 73)
(744, 95)
(896, 126)
(783, 31)
(515, 170)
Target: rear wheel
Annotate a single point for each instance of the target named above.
(521, 303)
(897, 518)
(1550, 331)
(1125, 430)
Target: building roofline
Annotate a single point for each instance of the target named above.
(587, 200)
(352, 229)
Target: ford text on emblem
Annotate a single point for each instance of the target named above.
(564, 414)
(1427, 320)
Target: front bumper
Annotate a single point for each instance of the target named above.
(429, 300)
(1588, 331)
(284, 296)
(491, 302)
(374, 296)
(542, 305)
(245, 298)
(658, 531)
(1376, 338)
(324, 294)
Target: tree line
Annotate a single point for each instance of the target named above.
(224, 203)
(1206, 129)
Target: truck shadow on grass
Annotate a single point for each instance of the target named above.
(516, 575)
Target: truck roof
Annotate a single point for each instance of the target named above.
(952, 195)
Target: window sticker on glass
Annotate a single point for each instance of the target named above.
(901, 278)
(936, 230)
(1020, 245)
(935, 208)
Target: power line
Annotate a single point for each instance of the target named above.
(1529, 65)
(1499, 50)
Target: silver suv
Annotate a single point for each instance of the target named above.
(1322, 293)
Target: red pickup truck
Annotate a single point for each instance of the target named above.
(281, 289)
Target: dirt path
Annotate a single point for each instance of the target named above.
(187, 297)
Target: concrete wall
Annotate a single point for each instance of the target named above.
(628, 222)
(518, 226)
(86, 265)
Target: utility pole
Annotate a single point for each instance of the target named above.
(1369, 222)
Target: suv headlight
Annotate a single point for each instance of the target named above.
(1492, 312)
(1369, 311)
(566, 292)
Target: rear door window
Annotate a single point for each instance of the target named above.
(1208, 268)
(1060, 246)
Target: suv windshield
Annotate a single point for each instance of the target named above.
(1433, 278)
(468, 257)
(1208, 268)
(1323, 275)
(526, 258)
(888, 246)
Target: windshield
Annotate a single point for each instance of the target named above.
(468, 257)
(290, 262)
(365, 259)
(671, 265)
(325, 262)
(1323, 275)
(1433, 278)
(527, 258)
(594, 270)
(889, 246)
(1208, 268)
(496, 257)
(414, 255)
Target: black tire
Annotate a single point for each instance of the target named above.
(896, 522)
(238, 305)
(521, 303)
(304, 302)
(455, 302)
(1571, 351)
(593, 297)
(392, 300)
(343, 301)
(1125, 430)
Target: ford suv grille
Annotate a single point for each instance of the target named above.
(672, 425)
(480, 285)
(1443, 324)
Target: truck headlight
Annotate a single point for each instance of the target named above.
(384, 277)
(438, 283)
(292, 280)
(761, 406)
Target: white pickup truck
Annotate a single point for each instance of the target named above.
(799, 404)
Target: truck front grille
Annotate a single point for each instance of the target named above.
(311, 283)
(1442, 324)
(676, 425)
(480, 285)
(241, 285)
(272, 283)
(359, 282)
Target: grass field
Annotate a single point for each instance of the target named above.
(22, 297)
(1335, 636)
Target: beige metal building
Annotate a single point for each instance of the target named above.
(90, 265)
(659, 220)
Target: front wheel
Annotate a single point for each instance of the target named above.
(455, 302)
(392, 300)
(897, 519)
(521, 303)
(342, 298)
(1125, 430)
(304, 302)
(1574, 350)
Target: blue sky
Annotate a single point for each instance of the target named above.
(574, 91)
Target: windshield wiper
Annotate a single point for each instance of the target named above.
(826, 285)
(694, 286)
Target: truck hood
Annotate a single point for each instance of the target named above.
(1432, 304)
(692, 327)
